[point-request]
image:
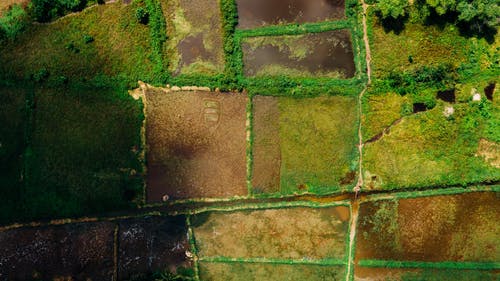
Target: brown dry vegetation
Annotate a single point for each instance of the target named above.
(196, 144)
(293, 233)
(5, 4)
(442, 228)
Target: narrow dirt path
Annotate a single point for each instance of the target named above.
(359, 185)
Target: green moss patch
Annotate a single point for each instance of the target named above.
(259, 271)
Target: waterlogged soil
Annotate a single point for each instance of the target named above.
(408, 274)
(277, 272)
(195, 36)
(72, 252)
(196, 145)
(303, 145)
(326, 54)
(256, 13)
(441, 228)
(152, 244)
(293, 233)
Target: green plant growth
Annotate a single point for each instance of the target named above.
(13, 22)
(83, 154)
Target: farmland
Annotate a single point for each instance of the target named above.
(249, 140)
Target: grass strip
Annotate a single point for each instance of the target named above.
(430, 192)
(194, 249)
(433, 265)
(158, 33)
(258, 206)
(250, 142)
(325, 262)
(293, 29)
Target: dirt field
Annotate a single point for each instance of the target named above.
(266, 152)
(308, 145)
(152, 244)
(195, 36)
(384, 274)
(294, 233)
(442, 228)
(196, 144)
(275, 272)
(79, 251)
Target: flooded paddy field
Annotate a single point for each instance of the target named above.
(405, 147)
(326, 54)
(127, 249)
(79, 251)
(262, 271)
(461, 228)
(303, 145)
(257, 13)
(292, 233)
(195, 36)
(196, 144)
(408, 274)
(152, 244)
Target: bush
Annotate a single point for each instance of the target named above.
(48, 10)
(142, 15)
(88, 39)
(13, 22)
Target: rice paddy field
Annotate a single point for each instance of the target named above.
(246, 140)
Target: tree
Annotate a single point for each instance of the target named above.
(442, 6)
(479, 13)
(392, 8)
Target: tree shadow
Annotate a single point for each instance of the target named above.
(477, 29)
(396, 25)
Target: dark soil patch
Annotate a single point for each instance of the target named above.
(147, 245)
(77, 251)
(419, 107)
(327, 52)
(266, 145)
(489, 91)
(256, 13)
(448, 95)
(197, 144)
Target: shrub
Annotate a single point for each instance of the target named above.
(13, 22)
(88, 39)
(142, 15)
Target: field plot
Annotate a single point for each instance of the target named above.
(197, 144)
(449, 143)
(326, 54)
(12, 139)
(85, 153)
(462, 228)
(195, 36)
(152, 244)
(395, 274)
(69, 252)
(256, 13)
(120, 47)
(278, 272)
(294, 233)
(303, 145)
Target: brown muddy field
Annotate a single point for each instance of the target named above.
(396, 274)
(292, 233)
(196, 145)
(256, 13)
(275, 272)
(80, 251)
(152, 244)
(441, 228)
(266, 145)
(195, 36)
(326, 54)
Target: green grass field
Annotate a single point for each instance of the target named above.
(120, 47)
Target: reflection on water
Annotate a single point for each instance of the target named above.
(255, 13)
